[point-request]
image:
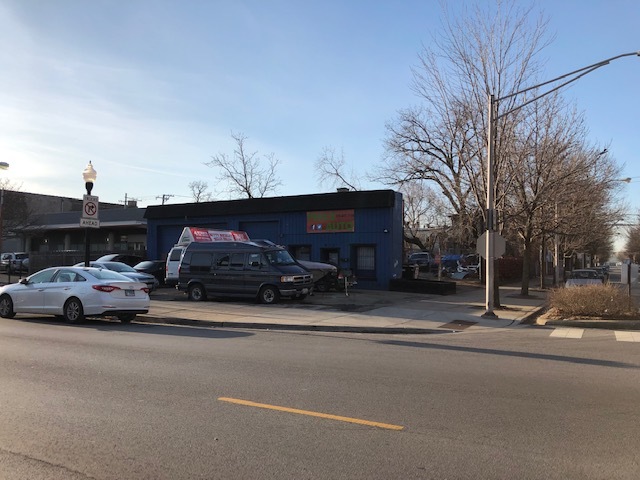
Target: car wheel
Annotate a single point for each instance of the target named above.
(126, 317)
(6, 307)
(73, 311)
(197, 293)
(268, 295)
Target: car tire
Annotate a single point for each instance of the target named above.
(197, 292)
(126, 317)
(73, 312)
(269, 295)
(6, 307)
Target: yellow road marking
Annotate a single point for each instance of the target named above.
(310, 413)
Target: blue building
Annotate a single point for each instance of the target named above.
(360, 231)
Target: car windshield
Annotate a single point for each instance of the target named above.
(279, 257)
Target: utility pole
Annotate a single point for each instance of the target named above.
(165, 197)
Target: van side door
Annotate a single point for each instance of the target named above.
(257, 272)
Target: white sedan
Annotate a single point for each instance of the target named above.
(74, 293)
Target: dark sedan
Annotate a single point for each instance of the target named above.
(157, 268)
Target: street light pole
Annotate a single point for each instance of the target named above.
(89, 175)
(491, 133)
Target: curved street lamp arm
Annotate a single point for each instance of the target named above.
(590, 68)
(558, 87)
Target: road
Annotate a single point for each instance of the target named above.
(112, 401)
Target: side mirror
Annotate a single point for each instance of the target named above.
(24, 281)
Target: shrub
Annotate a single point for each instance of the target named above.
(606, 300)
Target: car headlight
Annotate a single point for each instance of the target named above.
(287, 279)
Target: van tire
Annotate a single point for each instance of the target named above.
(197, 292)
(268, 295)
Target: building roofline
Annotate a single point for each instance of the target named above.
(314, 202)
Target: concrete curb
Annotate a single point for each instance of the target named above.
(291, 327)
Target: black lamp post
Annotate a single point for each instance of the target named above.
(89, 175)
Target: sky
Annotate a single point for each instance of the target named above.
(150, 90)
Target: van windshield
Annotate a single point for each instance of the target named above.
(279, 257)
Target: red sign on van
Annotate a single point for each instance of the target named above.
(204, 235)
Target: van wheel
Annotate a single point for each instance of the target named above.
(269, 295)
(197, 293)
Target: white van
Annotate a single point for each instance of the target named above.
(173, 263)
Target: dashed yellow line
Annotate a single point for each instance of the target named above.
(310, 413)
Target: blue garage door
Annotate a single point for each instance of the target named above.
(262, 230)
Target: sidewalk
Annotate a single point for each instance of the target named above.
(363, 311)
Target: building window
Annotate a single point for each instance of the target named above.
(365, 265)
(301, 252)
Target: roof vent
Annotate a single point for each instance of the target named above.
(342, 189)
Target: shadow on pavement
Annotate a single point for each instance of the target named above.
(508, 353)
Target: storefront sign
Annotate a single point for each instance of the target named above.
(331, 221)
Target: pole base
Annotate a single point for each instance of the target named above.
(489, 314)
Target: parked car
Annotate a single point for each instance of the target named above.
(603, 272)
(129, 272)
(424, 260)
(13, 262)
(584, 276)
(74, 293)
(152, 267)
(130, 260)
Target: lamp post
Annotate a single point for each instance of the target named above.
(3, 166)
(89, 175)
(491, 134)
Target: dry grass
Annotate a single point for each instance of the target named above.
(605, 301)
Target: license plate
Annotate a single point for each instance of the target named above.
(129, 293)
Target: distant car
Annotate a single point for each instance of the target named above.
(603, 272)
(157, 268)
(129, 272)
(130, 260)
(584, 276)
(74, 293)
(424, 260)
(12, 262)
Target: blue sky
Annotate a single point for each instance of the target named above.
(149, 90)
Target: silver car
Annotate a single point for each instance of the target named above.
(127, 271)
(74, 293)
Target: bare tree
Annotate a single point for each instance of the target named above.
(199, 191)
(331, 170)
(246, 173)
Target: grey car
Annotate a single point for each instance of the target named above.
(127, 271)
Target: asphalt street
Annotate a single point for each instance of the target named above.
(112, 401)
